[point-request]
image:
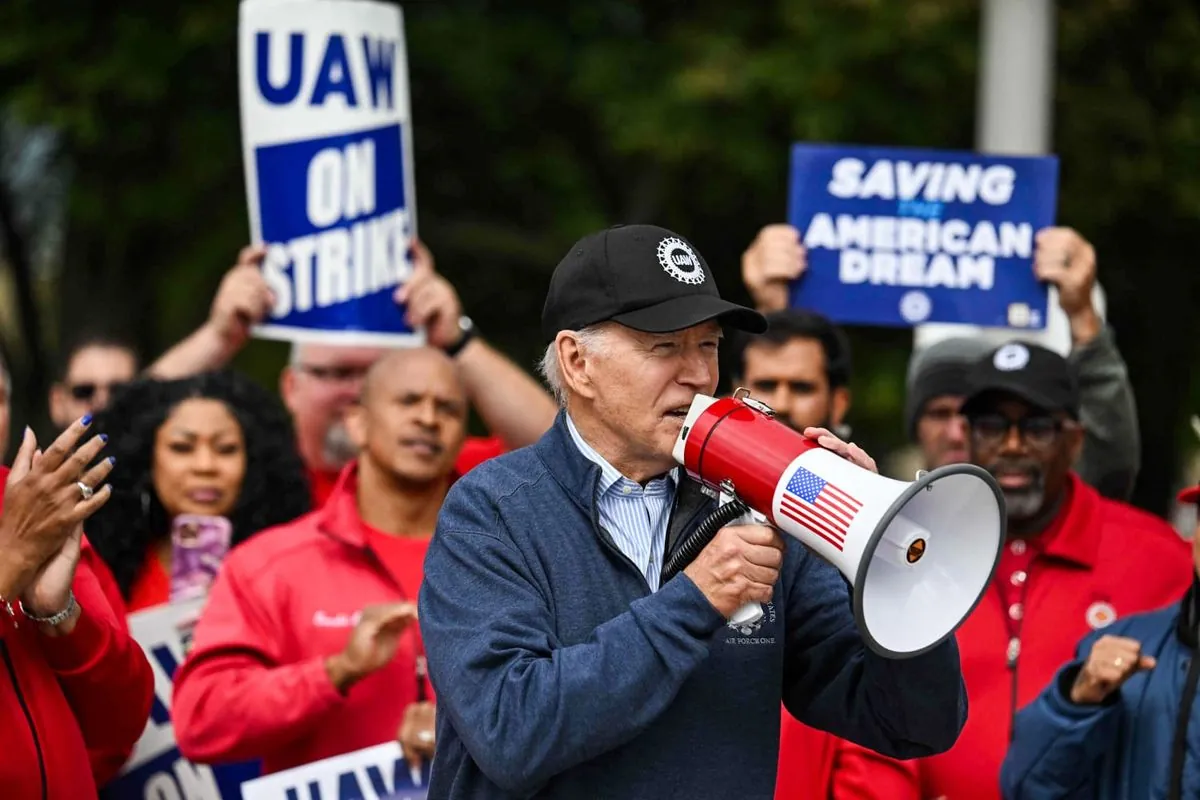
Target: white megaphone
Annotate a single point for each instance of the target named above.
(919, 555)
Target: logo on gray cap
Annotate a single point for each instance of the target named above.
(1011, 357)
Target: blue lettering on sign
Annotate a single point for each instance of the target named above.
(350, 785)
(166, 660)
(169, 776)
(334, 76)
(273, 94)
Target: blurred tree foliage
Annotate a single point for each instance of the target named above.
(536, 122)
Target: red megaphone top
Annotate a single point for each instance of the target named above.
(735, 441)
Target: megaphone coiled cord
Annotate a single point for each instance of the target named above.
(699, 538)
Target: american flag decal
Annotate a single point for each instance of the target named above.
(819, 506)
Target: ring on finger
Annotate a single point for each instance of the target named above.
(85, 490)
(425, 737)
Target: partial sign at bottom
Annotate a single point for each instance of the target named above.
(156, 770)
(375, 773)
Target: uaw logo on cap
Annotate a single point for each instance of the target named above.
(679, 261)
(1011, 357)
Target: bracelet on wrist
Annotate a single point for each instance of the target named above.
(54, 619)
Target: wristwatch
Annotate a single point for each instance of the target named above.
(467, 332)
(56, 619)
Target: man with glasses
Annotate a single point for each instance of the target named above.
(93, 369)
(1110, 453)
(1074, 562)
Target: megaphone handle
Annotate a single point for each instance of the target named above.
(750, 613)
(747, 614)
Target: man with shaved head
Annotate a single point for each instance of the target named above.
(308, 647)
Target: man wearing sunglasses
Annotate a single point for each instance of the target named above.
(1074, 562)
(95, 368)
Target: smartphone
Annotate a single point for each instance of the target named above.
(198, 546)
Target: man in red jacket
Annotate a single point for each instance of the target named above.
(307, 647)
(1073, 563)
(75, 689)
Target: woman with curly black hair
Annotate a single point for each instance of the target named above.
(212, 445)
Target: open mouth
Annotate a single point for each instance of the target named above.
(205, 497)
(680, 413)
(422, 447)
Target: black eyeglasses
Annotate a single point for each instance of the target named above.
(991, 429)
(85, 392)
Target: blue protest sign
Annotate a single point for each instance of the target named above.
(326, 133)
(378, 773)
(156, 769)
(902, 236)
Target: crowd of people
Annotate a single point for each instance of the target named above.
(498, 604)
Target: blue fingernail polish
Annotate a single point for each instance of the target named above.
(104, 437)
(87, 419)
(112, 459)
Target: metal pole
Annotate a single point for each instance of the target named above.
(1014, 113)
(1016, 77)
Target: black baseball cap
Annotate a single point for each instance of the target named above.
(641, 276)
(1037, 375)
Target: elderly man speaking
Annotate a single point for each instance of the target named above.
(563, 668)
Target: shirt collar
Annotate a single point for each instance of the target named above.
(610, 476)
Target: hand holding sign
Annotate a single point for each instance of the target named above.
(431, 300)
(774, 259)
(327, 146)
(243, 299)
(1064, 258)
(372, 644)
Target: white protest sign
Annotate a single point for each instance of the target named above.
(327, 149)
(375, 773)
(156, 770)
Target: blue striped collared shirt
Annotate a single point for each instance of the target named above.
(634, 516)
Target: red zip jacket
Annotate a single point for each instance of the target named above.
(71, 707)
(255, 685)
(1100, 560)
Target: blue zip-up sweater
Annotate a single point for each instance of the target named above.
(560, 675)
(1124, 748)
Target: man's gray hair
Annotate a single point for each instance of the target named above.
(589, 338)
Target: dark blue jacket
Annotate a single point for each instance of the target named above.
(559, 674)
(1121, 749)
